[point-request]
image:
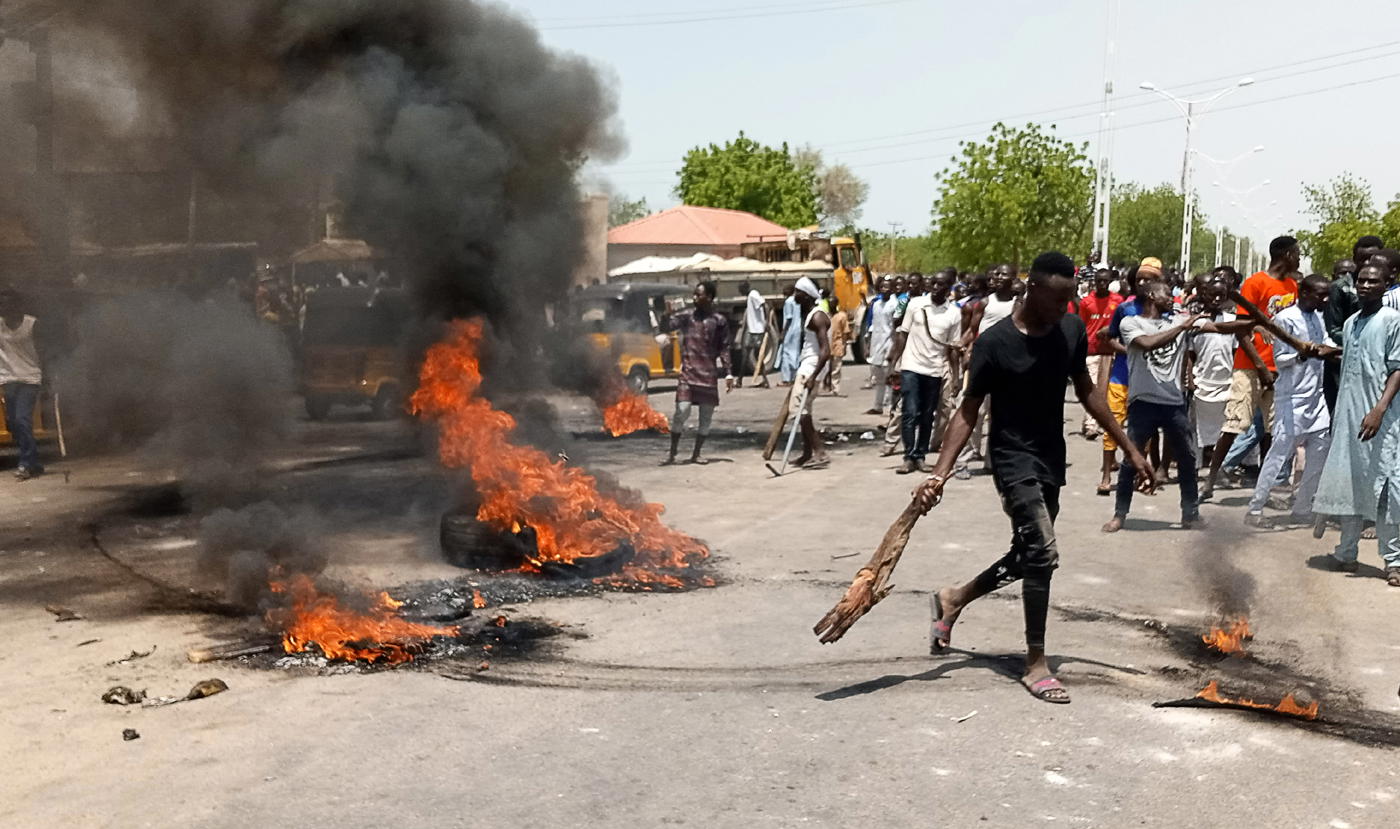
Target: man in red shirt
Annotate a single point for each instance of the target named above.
(1096, 309)
(1252, 386)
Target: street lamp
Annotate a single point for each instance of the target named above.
(1190, 108)
(1242, 194)
(1227, 162)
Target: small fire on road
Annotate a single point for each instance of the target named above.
(1288, 705)
(630, 413)
(378, 634)
(1229, 637)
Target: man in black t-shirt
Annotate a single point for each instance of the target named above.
(1022, 363)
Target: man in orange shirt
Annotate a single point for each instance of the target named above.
(1252, 386)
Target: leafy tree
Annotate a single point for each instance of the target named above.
(746, 175)
(1344, 211)
(1147, 222)
(621, 211)
(840, 193)
(906, 254)
(1020, 192)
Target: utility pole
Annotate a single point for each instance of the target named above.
(1103, 184)
(1219, 246)
(894, 234)
(1235, 260)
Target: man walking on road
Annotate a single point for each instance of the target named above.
(1361, 480)
(755, 324)
(20, 378)
(1096, 309)
(840, 336)
(926, 350)
(1301, 417)
(1021, 366)
(705, 345)
(791, 349)
(881, 340)
(1342, 303)
(1157, 348)
(811, 366)
(1252, 386)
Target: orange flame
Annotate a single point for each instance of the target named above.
(378, 635)
(522, 486)
(1288, 705)
(631, 413)
(478, 601)
(1231, 638)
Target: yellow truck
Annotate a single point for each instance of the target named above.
(352, 351)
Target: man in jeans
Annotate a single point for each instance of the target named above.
(926, 349)
(20, 377)
(1156, 398)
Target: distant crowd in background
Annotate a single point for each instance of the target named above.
(1279, 383)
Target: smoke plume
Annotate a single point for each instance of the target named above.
(201, 386)
(448, 132)
(248, 547)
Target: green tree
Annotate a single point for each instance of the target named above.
(746, 175)
(1147, 222)
(905, 255)
(621, 211)
(1020, 192)
(1345, 211)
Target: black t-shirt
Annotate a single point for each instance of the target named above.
(1025, 377)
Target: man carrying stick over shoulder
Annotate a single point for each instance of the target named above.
(1022, 364)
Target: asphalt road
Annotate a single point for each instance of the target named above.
(715, 707)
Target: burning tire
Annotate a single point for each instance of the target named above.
(466, 542)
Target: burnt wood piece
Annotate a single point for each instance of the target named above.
(231, 650)
(871, 583)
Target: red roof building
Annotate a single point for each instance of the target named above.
(686, 230)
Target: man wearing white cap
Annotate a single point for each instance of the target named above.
(811, 367)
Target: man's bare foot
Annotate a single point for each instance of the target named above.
(670, 460)
(1114, 525)
(699, 461)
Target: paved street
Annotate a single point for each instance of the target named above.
(715, 707)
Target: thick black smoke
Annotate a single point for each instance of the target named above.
(202, 387)
(1228, 588)
(449, 133)
(246, 548)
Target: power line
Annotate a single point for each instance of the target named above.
(1092, 105)
(809, 9)
(671, 13)
(1171, 118)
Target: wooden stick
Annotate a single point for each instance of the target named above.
(1269, 325)
(871, 583)
(775, 434)
(232, 650)
(58, 425)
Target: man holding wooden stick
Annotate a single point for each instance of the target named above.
(1022, 364)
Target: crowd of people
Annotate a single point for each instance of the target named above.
(1279, 383)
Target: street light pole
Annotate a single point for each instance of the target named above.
(1235, 260)
(1188, 109)
(1103, 184)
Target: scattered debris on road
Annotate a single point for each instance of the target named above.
(87, 642)
(965, 717)
(232, 650)
(63, 614)
(122, 695)
(129, 734)
(132, 657)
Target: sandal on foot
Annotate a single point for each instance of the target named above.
(1392, 576)
(817, 464)
(940, 636)
(1105, 489)
(1048, 689)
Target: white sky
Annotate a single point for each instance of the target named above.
(889, 86)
